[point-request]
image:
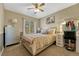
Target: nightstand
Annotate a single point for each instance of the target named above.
(59, 40)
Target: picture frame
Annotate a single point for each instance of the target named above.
(50, 20)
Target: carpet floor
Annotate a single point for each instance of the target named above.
(53, 50)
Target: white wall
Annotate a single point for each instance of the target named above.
(1, 18)
(1, 26)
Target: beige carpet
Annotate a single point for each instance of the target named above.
(19, 50)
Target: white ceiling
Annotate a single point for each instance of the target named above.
(49, 8)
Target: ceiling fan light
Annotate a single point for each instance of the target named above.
(37, 10)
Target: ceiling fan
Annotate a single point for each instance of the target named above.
(37, 7)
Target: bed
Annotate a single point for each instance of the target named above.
(35, 43)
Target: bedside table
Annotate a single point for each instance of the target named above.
(59, 40)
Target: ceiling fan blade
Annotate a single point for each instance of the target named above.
(35, 5)
(42, 4)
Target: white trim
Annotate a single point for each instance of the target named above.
(1, 52)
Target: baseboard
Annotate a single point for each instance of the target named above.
(13, 44)
(1, 52)
(7, 46)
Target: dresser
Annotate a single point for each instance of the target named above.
(59, 40)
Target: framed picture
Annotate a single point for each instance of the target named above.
(50, 20)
